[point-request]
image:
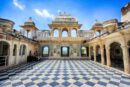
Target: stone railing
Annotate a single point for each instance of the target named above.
(63, 39)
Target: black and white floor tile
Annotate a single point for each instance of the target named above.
(63, 73)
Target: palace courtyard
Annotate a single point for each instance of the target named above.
(84, 45)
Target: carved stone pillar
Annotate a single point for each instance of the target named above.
(90, 52)
(126, 59)
(52, 33)
(69, 32)
(102, 54)
(108, 56)
(50, 50)
(94, 49)
(77, 33)
(10, 53)
(60, 33)
(79, 51)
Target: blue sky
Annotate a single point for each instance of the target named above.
(42, 11)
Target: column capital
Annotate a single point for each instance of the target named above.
(94, 46)
(124, 46)
(102, 46)
(108, 47)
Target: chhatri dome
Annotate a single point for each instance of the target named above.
(97, 26)
(29, 22)
(64, 18)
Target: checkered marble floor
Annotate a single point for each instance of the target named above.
(63, 73)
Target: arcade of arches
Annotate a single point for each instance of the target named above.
(64, 32)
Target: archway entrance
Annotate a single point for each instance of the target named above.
(105, 60)
(116, 56)
(83, 51)
(45, 51)
(15, 53)
(98, 53)
(129, 52)
(92, 53)
(64, 51)
(4, 53)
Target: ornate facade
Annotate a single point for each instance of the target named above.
(107, 43)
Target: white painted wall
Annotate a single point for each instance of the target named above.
(18, 59)
(126, 17)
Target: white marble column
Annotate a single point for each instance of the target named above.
(60, 33)
(79, 50)
(50, 50)
(126, 59)
(90, 52)
(94, 49)
(52, 33)
(102, 55)
(108, 56)
(77, 33)
(69, 33)
(10, 53)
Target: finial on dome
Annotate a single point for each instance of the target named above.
(30, 18)
(96, 21)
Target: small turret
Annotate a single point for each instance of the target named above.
(97, 27)
(125, 13)
(29, 26)
(110, 25)
(6, 25)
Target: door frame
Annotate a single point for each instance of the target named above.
(67, 51)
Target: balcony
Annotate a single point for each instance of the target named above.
(63, 39)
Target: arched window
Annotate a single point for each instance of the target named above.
(4, 48)
(65, 34)
(25, 33)
(4, 53)
(45, 51)
(64, 51)
(30, 34)
(98, 54)
(92, 53)
(73, 33)
(56, 33)
(22, 50)
(15, 50)
(83, 51)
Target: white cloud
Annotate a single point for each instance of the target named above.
(20, 6)
(44, 13)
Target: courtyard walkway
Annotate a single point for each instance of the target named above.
(62, 73)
